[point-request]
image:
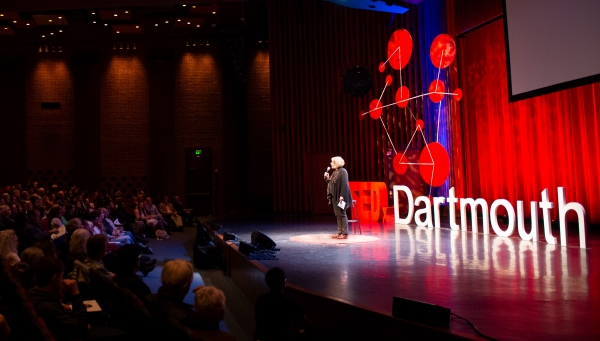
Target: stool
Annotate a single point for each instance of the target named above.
(354, 221)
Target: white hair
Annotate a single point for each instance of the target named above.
(338, 161)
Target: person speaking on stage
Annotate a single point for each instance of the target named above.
(339, 195)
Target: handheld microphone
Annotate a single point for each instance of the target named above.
(328, 168)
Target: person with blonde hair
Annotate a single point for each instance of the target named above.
(338, 190)
(176, 279)
(9, 243)
(209, 303)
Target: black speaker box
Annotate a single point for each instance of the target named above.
(246, 248)
(420, 312)
(262, 241)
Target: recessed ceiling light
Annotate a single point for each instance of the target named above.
(51, 33)
(155, 24)
(118, 32)
(59, 31)
(105, 24)
(197, 25)
(43, 36)
(126, 12)
(188, 23)
(136, 26)
(193, 6)
(6, 28)
(214, 12)
(183, 5)
(59, 17)
(177, 20)
(94, 21)
(166, 22)
(27, 24)
(1, 15)
(15, 21)
(115, 14)
(93, 13)
(49, 20)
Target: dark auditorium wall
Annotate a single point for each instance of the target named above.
(127, 114)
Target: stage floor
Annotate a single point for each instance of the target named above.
(508, 288)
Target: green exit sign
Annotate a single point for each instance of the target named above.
(198, 151)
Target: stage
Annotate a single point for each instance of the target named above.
(508, 288)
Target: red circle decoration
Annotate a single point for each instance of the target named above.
(399, 167)
(402, 96)
(444, 45)
(457, 95)
(434, 168)
(388, 80)
(375, 108)
(436, 86)
(403, 40)
(381, 67)
(420, 125)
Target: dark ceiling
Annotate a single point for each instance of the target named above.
(68, 23)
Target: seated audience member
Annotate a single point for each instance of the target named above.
(209, 303)
(167, 211)
(8, 247)
(55, 216)
(63, 323)
(5, 222)
(128, 261)
(114, 234)
(48, 247)
(30, 256)
(176, 278)
(80, 210)
(96, 250)
(77, 251)
(34, 230)
(141, 216)
(153, 213)
(63, 243)
(188, 219)
(274, 311)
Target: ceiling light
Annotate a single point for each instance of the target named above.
(118, 32)
(197, 25)
(43, 36)
(120, 46)
(6, 28)
(93, 13)
(115, 14)
(178, 19)
(136, 26)
(59, 49)
(193, 42)
(105, 24)
(188, 23)
(207, 43)
(126, 12)
(187, 43)
(15, 21)
(59, 17)
(134, 46)
(193, 6)
(49, 20)
(40, 50)
(183, 5)
(59, 31)
(51, 33)
(167, 21)
(114, 46)
(155, 24)
(1, 15)
(94, 21)
(214, 12)
(27, 24)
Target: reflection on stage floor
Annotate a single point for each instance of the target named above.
(509, 288)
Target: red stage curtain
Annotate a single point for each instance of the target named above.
(515, 150)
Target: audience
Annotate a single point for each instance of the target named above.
(96, 250)
(274, 311)
(128, 261)
(209, 303)
(65, 323)
(8, 247)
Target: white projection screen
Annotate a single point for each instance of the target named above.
(551, 45)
